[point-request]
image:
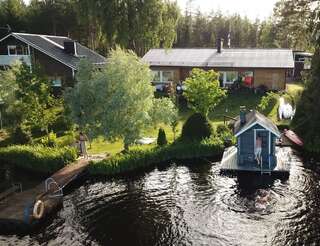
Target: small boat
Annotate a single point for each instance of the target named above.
(293, 137)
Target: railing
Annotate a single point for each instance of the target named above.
(6, 60)
(53, 188)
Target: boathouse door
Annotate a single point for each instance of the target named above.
(264, 134)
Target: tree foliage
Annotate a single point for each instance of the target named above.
(141, 25)
(196, 128)
(8, 85)
(203, 90)
(101, 25)
(293, 19)
(163, 111)
(162, 138)
(307, 117)
(27, 95)
(117, 101)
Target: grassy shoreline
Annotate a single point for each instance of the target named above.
(37, 158)
(143, 159)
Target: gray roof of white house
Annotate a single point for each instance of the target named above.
(53, 47)
(235, 58)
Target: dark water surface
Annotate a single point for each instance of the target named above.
(187, 205)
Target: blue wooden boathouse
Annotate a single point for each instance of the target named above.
(248, 127)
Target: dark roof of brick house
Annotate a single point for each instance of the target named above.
(209, 57)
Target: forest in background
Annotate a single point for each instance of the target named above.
(141, 25)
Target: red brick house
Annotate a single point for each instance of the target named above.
(254, 67)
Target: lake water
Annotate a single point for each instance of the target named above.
(187, 205)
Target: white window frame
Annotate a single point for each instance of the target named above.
(161, 76)
(225, 82)
(11, 47)
(25, 50)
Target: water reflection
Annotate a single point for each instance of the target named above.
(190, 204)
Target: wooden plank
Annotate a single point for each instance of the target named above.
(14, 209)
(230, 163)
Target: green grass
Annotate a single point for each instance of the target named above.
(37, 158)
(295, 88)
(230, 107)
(140, 159)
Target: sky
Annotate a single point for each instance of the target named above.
(253, 9)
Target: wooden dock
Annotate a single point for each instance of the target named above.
(229, 163)
(16, 210)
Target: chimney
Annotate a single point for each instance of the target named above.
(219, 45)
(243, 112)
(70, 47)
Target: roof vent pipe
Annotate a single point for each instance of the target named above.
(243, 112)
(219, 45)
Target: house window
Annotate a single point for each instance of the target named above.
(156, 76)
(56, 82)
(162, 76)
(227, 78)
(14, 50)
(167, 76)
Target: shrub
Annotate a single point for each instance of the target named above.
(196, 128)
(20, 136)
(225, 134)
(139, 159)
(61, 124)
(38, 158)
(221, 129)
(50, 140)
(162, 139)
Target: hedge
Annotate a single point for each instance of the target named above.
(139, 159)
(38, 158)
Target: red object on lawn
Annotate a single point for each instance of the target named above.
(293, 137)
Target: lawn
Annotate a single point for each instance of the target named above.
(229, 106)
(295, 88)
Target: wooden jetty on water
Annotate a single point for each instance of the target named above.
(16, 209)
(230, 164)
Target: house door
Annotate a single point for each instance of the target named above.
(264, 135)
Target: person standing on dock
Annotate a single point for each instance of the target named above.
(83, 149)
(258, 150)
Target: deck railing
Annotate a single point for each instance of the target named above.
(6, 60)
